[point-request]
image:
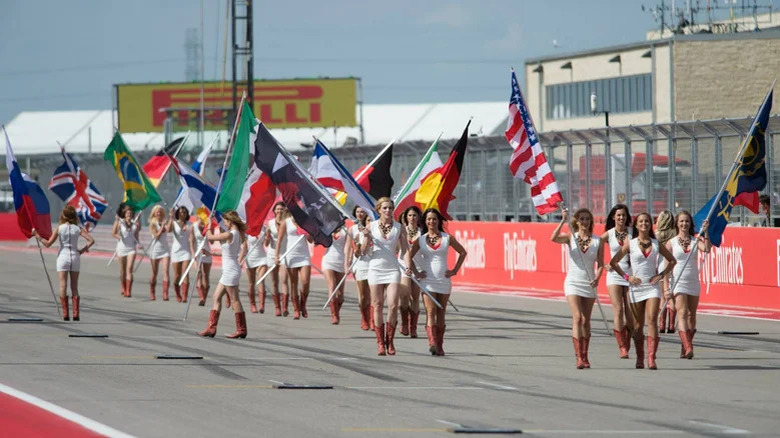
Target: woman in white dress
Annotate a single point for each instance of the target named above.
(360, 270)
(384, 273)
(409, 292)
(585, 251)
(334, 266)
(664, 231)
(180, 251)
(125, 231)
(618, 221)
(68, 257)
(645, 290)
(202, 278)
(298, 264)
(686, 292)
(435, 277)
(281, 303)
(256, 259)
(159, 252)
(231, 241)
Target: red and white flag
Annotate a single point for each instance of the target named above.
(257, 200)
(528, 161)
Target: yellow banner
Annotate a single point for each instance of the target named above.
(278, 104)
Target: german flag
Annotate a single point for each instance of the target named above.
(156, 167)
(437, 188)
(375, 177)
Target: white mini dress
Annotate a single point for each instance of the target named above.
(334, 256)
(613, 278)
(68, 257)
(417, 260)
(361, 267)
(231, 271)
(383, 267)
(180, 252)
(299, 256)
(434, 263)
(645, 266)
(199, 238)
(256, 255)
(688, 283)
(159, 247)
(581, 271)
(270, 256)
(126, 243)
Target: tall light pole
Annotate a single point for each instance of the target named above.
(607, 151)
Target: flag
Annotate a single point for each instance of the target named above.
(233, 180)
(747, 177)
(196, 193)
(308, 205)
(156, 166)
(429, 163)
(327, 169)
(436, 189)
(139, 191)
(200, 163)
(528, 161)
(375, 178)
(257, 200)
(32, 207)
(73, 186)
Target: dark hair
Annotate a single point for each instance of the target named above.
(120, 210)
(438, 215)
(690, 218)
(764, 199)
(611, 216)
(636, 220)
(575, 226)
(186, 213)
(354, 214)
(416, 209)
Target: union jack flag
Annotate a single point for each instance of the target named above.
(73, 186)
(528, 161)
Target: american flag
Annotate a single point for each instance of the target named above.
(528, 161)
(73, 186)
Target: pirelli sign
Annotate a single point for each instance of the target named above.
(298, 103)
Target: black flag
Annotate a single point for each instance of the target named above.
(308, 205)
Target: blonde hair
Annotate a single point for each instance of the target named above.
(575, 226)
(154, 212)
(381, 201)
(665, 226)
(233, 217)
(68, 215)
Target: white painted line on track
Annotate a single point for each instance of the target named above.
(451, 423)
(606, 432)
(456, 388)
(504, 387)
(81, 420)
(727, 430)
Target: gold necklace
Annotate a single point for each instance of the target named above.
(412, 232)
(684, 242)
(386, 229)
(432, 239)
(644, 245)
(620, 236)
(584, 244)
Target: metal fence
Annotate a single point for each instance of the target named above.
(651, 167)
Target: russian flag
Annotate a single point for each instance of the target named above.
(32, 207)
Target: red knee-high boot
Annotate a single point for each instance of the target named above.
(76, 305)
(165, 291)
(252, 303)
(185, 291)
(652, 348)
(621, 341)
(296, 303)
(672, 319)
(201, 296)
(440, 340)
(285, 303)
(277, 304)
(151, 291)
(584, 345)
(364, 318)
(405, 322)
(261, 297)
(390, 334)
(686, 344)
(433, 338)
(177, 289)
(662, 320)
(129, 285)
(380, 340)
(413, 318)
(65, 311)
(303, 297)
(240, 326)
(639, 346)
(211, 328)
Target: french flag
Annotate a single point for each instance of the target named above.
(32, 207)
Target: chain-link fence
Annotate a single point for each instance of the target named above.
(650, 168)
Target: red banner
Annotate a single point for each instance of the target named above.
(744, 271)
(9, 227)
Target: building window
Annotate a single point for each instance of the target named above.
(624, 94)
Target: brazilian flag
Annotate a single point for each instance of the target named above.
(139, 192)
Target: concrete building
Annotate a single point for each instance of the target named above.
(675, 78)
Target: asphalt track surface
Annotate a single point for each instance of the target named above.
(509, 365)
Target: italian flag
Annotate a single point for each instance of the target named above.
(428, 165)
(236, 173)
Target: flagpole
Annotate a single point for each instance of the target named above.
(346, 274)
(737, 161)
(300, 239)
(216, 195)
(346, 214)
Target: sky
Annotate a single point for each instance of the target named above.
(64, 55)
